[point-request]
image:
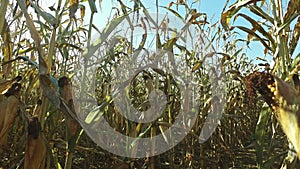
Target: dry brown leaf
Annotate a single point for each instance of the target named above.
(82, 12)
(6, 84)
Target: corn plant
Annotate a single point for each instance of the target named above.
(41, 118)
(277, 31)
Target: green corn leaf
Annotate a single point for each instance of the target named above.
(93, 6)
(260, 133)
(3, 8)
(47, 16)
(104, 35)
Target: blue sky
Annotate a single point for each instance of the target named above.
(212, 8)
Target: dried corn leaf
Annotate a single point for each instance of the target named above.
(82, 12)
(252, 33)
(233, 9)
(43, 68)
(257, 27)
(7, 48)
(293, 6)
(261, 13)
(6, 84)
(3, 9)
(295, 37)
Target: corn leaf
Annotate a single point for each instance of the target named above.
(47, 16)
(174, 12)
(247, 30)
(258, 27)
(295, 38)
(259, 12)
(93, 6)
(233, 9)
(293, 6)
(260, 133)
(73, 8)
(3, 8)
(104, 35)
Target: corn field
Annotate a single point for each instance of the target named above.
(41, 110)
